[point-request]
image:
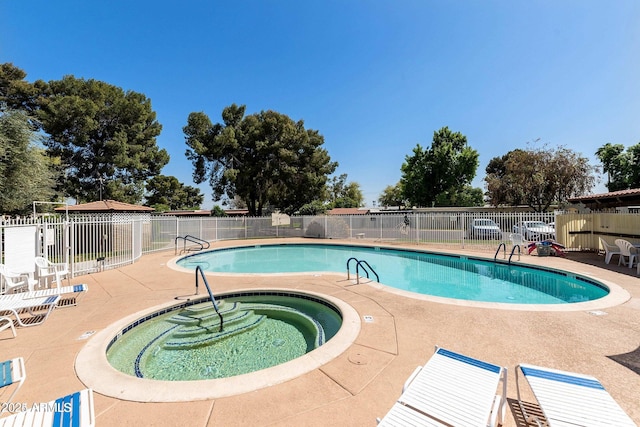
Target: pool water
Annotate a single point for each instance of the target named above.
(420, 272)
(259, 331)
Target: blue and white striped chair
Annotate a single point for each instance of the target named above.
(451, 390)
(38, 308)
(69, 295)
(570, 399)
(73, 410)
(12, 373)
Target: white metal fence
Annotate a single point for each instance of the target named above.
(90, 243)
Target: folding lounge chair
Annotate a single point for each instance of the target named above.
(7, 323)
(570, 399)
(38, 309)
(75, 409)
(451, 390)
(12, 372)
(69, 295)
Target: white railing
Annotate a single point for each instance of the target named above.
(102, 241)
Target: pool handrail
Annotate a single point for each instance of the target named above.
(513, 250)
(213, 300)
(501, 245)
(364, 265)
(192, 239)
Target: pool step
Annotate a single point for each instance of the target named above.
(203, 313)
(200, 324)
(212, 324)
(207, 336)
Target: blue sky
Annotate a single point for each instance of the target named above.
(374, 77)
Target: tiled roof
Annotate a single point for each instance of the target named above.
(611, 195)
(106, 206)
(348, 211)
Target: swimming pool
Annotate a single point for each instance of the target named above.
(435, 274)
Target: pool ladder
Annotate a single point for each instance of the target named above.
(504, 246)
(365, 266)
(200, 273)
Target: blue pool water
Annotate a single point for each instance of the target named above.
(434, 274)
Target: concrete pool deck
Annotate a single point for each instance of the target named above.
(364, 381)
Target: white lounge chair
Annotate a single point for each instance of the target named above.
(627, 251)
(37, 308)
(570, 399)
(69, 295)
(451, 390)
(609, 250)
(11, 281)
(7, 323)
(47, 269)
(12, 373)
(75, 409)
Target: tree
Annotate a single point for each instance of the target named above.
(218, 211)
(446, 167)
(622, 167)
(167, 193)
(266, 159)
(392, 195)
(343, 194)
(465, 196)
(538, 177)
(104, 136)
(16, 93)
(25, 172)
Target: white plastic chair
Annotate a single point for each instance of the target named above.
(627, 251)
(609, 250)
(47, 269)
(11, 281)
(518, 239)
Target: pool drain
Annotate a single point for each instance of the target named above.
(358, 359)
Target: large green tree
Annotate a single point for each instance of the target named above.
(538, 178)
(15, 92)
(621, 166)
(392, 195)
(431, 176)
(266, 159)
(167, 193)
(104, 136)
(25, 171)
(343, 194)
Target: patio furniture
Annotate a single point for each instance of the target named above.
(37, 308)
(627, 251)
(69, 295)
(11, 281)
(570, 399)
(12, 373)
(609, 250)
(451, 390)
(75, 409)
(7, 323)
(47, 269)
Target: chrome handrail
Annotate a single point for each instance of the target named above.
(213, 300)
